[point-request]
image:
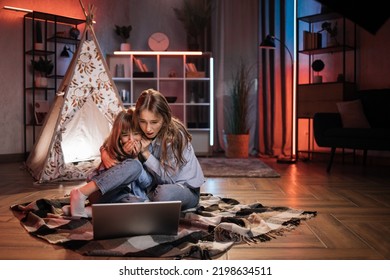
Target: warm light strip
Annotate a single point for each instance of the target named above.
(17, 9)
(294, 81)
(23, 10)
(211, 101)
(157, 53)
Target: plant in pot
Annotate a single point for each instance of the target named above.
(124, 33)
(332, 32)
(318, 65)
(195, 16)
(43, 67)
(236, 113)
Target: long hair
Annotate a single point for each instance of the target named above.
(173, 134)
(123, 124)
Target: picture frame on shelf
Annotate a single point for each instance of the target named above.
(41, 109)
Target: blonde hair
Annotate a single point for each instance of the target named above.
(172, 132)
(123, 124)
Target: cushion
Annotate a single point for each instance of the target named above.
(352, 114)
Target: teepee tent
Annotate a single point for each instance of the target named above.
(80, 118)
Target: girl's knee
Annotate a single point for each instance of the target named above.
(133, 165)
(188, 197)
(160, 194)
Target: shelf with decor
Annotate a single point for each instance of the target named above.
(326, 67)
(185, 78)
(45, 36)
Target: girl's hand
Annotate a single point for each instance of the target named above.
(145, 148)
(132, 147)
(145, 144)
(137, 147)
(107, 161)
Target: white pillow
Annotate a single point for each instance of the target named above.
(352, 114)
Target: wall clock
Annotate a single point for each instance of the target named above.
(158, 41)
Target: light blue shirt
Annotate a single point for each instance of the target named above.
(190, 174)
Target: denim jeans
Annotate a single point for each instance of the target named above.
(127, 178)
(189, 197)
(128, 181)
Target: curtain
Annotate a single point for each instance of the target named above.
(238, 27)
(235, 38)
(276, 18)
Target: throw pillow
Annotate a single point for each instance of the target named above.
(352, 114)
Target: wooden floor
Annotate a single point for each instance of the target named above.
(353, 204)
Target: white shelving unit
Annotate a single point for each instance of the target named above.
(167, 72)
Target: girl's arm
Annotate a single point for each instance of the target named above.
(107, 161)
(144, 150)
(164, 173)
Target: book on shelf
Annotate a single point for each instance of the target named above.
(191, 67)
(145, 68)
(312, 40)
(141, 67)
(192, 71)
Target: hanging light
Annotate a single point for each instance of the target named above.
(268, 43)
(65, 52)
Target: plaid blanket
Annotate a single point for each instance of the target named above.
(205, 232)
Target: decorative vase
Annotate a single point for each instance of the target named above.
(120, 70)
(39, 46)
(237, 145)
(41, 82)
(317, 79)
(125, 95)
(125, 47)
(340, 78)
(332, 41)
(74, 33)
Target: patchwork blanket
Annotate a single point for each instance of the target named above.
(205, 232)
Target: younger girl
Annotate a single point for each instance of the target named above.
(122, 145)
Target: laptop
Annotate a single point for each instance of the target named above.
(113, 220)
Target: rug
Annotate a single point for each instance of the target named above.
(205, 232)
(236, 167)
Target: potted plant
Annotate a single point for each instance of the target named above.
(124, 33)
(332, 31)
(195, 16)
(318, 65)
(236, 113)
(44, 67)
